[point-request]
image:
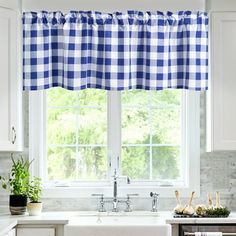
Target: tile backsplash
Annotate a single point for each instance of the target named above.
(218, 173)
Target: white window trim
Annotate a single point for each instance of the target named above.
(87, 188)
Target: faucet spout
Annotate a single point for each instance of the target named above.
(115, 176)
(115, 189)
(115, 200)
(115, 194)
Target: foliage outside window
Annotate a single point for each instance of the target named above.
(152, 139)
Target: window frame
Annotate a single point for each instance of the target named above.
(37, 152)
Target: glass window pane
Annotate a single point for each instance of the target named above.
(166, 163)
(151, 118)
(92, 163)
(92, 126)
(135, 98)
(61, 163)
(166, 126)
(61, 97)
(135, 126)
(88, 163)
(135, 162)
(61, 125)
(166, 98)
(93, 97)
(76, 134)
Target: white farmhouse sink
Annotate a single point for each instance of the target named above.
(112, 225)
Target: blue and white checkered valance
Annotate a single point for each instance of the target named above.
(118, 51)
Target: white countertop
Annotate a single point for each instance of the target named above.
(6, 225)
(8, 222)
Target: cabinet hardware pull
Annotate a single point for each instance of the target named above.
(224, 234)
(13, 135)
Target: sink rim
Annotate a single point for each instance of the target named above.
(109, 219)
(120, 213)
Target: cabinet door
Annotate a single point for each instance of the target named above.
(222, 124)
(9, 82)
(35, 232)
(12, 4)
(12, 233)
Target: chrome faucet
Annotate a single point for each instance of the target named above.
(115, 177)
(115, 200)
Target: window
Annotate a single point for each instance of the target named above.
(152, 135)
(76, 135)
(82, 136)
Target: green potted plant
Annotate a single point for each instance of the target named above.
(17, 185)
(34, 207)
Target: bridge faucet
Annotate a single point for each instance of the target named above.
(115, 200)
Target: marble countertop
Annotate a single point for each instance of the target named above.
(8, 222)
(229, 220)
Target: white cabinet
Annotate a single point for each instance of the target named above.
(35, 232)
(222, 93)
(11, 233)
(10, 81)
(12, 4)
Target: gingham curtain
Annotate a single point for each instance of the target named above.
(118, 51)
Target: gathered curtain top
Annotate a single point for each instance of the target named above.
(115, 51)
(131, 17)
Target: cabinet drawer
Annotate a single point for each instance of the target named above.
(189, 230)
(35, 232)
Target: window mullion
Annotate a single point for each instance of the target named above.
(114, 131)
(150, 130)
(184, 134)
(44, 126)
(77, 139)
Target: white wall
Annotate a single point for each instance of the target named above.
(221, 5)
(113, 5)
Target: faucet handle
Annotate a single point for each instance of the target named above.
(127, 178)
(116, 175)
(154, 195)
(128, 202)
(102, 202)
